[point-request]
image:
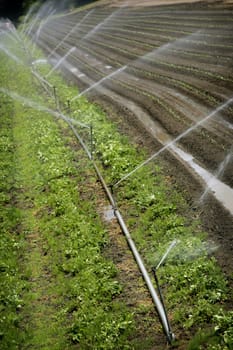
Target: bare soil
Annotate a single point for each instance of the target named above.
(179, 58)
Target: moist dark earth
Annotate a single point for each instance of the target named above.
(174, 67)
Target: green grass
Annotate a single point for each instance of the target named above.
(71, 294)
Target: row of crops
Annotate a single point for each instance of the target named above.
(179, 65)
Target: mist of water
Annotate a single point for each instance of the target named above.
(39, 107)
(70, 32)
(188, 249)
(183, 41)
(172, 245)
(218, 174)
(227, 124)
(10, 54)
(185, 133)
(40, 61)
(36, 18)
(106, 20)
(72, 49)
(147, 55)
(11, 31)
(26, 18)
(42, 24)
(99, 82)
(42, 12)
(8, 35)
(98, 26)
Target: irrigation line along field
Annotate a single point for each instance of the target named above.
(159, 305)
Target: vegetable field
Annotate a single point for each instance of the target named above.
(169, 67)
(149, 92)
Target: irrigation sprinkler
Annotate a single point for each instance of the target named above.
(72, 49)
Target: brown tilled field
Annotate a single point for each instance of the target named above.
(170, 66)
(163, 71)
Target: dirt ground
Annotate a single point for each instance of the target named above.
(159, 69)
(176, 62)
(144, 3)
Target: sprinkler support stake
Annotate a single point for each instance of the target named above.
(171, 336)
(92, 145)
(55, 97)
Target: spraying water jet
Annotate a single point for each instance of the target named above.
(11, 55)
(99, 82)
(171, 246)
(32, 104)
(61, 60)
(68, 34)
(217, 175)
(171, 143)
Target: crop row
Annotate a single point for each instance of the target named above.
(79, 31)
(153, 19)
(218, 41)
(100, 27)
(167, 115)
(186, 87)
(158, 63)
(125, 51)
(171, 118)
(118, 18)
(152, 44)
(194, 91)
(146, 72)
